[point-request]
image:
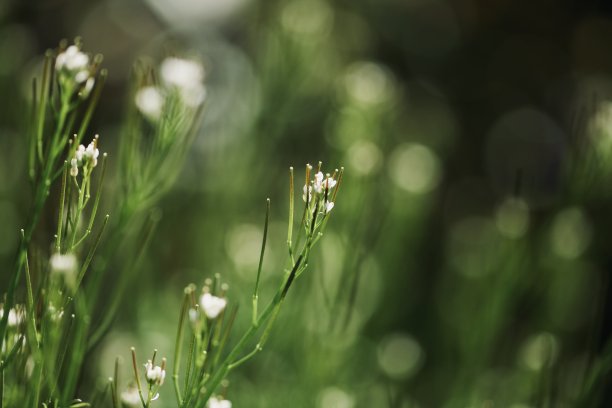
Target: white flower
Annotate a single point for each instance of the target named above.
(85, 155)
(74, 64)
(89, 84)
(329, 183)
(92, 153)
(318, 182)
(130, 397)
(154, 374)
(219, 403)
(328, 206)
(181, 73)
(212, 305)
(16, 315)
(149, 101)
(79, 153)
(186, 76)
(63, 263)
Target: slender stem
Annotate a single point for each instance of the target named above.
(291, 205)
(136, 375)
(95, 97)
(190, 358)
(116, 382)
(91, 252)
(58, 239)
(261, 256)
(178, 347)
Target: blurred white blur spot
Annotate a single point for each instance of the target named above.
(400, 356)
(149, 102)
(186, 76)
(334, 397)
(181, 73)
(538, 351)
(307, 17)
(190, 12)
(512, 218)
(570, 233)
(415, 168)
(368, 83)
(364, 158)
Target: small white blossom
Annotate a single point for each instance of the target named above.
(89, 84)
(186, 76)
(85, 156)
(321, 183)
(130, 397)
(16, 315)
(149, 101)
(219, 403)
(181, 73)
(318, 182)
(73, 64)
(154, 374)
(92, 153)
(79, 153)
(328, 206)
(63, 263)
(212, 305)
(329, 183)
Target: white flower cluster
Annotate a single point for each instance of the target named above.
(178, 75)
(320, 185)
(85, 156)
(155, 374)
(74, 67)
(219, 403)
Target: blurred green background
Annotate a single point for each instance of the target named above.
(467, 260)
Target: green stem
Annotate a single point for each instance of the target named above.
(177, 349)
(58, 239)
(261, 256)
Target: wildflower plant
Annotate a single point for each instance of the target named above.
(162, 120)
(160, 128)
(46, 337)
(62, 106)
(62, 103)
(206, 319)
